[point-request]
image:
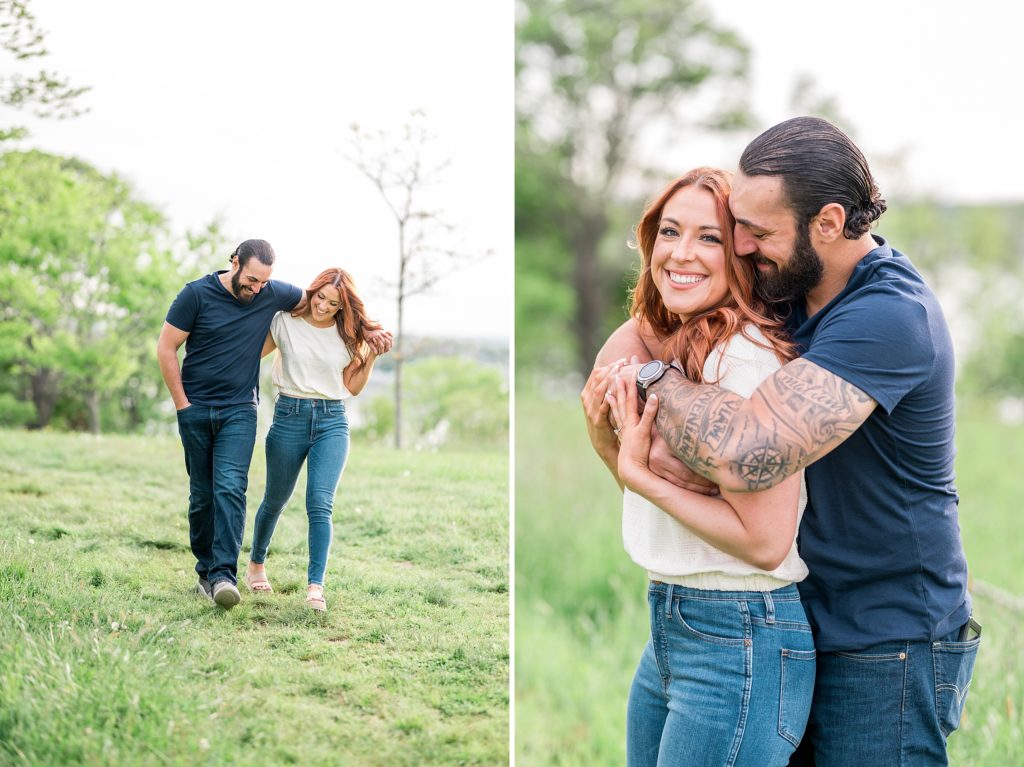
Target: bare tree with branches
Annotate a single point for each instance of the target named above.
(401, 167)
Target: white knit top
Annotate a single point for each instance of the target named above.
(309, 361)
(669, 550)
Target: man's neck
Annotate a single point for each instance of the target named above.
(840, 261)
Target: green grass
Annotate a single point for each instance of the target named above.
(108, 658)
(581, 617)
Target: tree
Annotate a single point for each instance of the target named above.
(596, 81)
(86, 275)
(44, 93)
(400, 167)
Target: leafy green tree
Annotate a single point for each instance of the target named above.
(86, 275)
(44, 93)
(596, 81)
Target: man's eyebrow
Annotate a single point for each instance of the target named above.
(749, 224)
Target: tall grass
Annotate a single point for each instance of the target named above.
(581, 617)
(107, 657)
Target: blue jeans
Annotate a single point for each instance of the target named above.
(891, 705)
(725, 679)
(313, 431)
(218, 444)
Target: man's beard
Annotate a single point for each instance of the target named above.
(236, 288)
(799, 275)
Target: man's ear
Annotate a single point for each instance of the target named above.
(828, 225)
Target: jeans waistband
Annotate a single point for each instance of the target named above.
(310, 400)
(785, 594)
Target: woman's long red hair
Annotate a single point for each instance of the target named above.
(697, 336)
(351, 319)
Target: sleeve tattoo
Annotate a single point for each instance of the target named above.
(796, 416)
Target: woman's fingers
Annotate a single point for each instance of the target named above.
(593, 394)
(616, 397)
(650, 411)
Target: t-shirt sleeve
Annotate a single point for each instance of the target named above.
(288, 295)
(184, 309)
(880, 343)
(275, 328)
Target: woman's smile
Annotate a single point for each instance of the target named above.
(688, 258)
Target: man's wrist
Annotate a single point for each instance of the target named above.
(672, 375)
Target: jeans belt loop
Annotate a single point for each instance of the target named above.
(769, 607)
(668, 600)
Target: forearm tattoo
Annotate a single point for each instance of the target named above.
(794, 418)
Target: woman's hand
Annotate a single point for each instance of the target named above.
(379, 340)
(634, 432)
(596, 407)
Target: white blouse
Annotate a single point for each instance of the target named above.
(309, 360)
(670, 551)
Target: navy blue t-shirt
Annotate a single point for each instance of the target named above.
(880, 533)
(222, 352)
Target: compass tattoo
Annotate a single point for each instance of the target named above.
(796, 416)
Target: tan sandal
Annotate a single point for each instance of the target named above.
(258, 584)
(315, 599)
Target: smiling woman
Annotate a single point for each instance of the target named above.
(722, 569)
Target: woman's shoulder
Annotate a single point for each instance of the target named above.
(742, 361)
(750, 343)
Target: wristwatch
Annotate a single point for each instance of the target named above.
(651, 372)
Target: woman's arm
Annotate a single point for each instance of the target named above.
(355, 375)
(757, 528)
(268, 345)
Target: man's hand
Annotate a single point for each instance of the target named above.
(665, 464)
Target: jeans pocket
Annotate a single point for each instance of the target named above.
(284, 408)
(721, 622)
(954, 667)
(795, 693)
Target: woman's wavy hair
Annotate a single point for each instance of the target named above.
(351, 319)
(697, 336)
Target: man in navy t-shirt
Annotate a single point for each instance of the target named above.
(868, 409)
(223, 319)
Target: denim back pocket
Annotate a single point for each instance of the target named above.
(795, 693)
(954, 667)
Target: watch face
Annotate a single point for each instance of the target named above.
(650, 369)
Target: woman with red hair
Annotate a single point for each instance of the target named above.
(727, 675)
(325, 357)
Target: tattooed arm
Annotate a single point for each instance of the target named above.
(796, 416)
(634, 342)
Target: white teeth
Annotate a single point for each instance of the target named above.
(686, 279)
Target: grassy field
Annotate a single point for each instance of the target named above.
(107, 657)
(581, 616)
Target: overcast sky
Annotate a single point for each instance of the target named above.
(241, 108)
(936, 81)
